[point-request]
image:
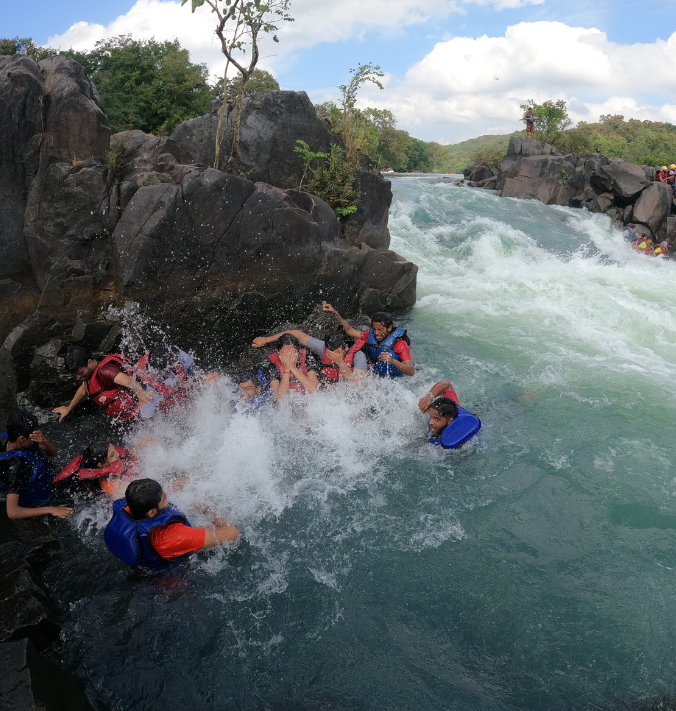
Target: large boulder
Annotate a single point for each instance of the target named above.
(369, 223)
(477, 172)
(218, 249)
(551, 180)
(654, 205)
(623, 179)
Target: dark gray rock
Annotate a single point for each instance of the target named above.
(623, 179)
(477, 172)
(31, 682)
(654, 205)
(142, 153)
(369, 223)
(217, 248)
(551, 180)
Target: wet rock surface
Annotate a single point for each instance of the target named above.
(84, 228)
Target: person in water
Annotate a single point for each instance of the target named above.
(26, 475)
(387, 348)
(254, 387)
(109, 381)
(103, 466)
(146, 530)
(340, 360)
(442, 408)
(661, 249)
(529, 118)
(296, 369)
(631, 234)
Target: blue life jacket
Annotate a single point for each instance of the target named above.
(39, 490)
(456, 433)
(375, 348)
(129, 540)
(266, 391)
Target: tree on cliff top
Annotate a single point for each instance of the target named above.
(241, 25)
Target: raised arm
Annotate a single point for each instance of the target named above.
(436, 390)
(77, 398)
(264, 340)
(126, 382)
(45, 445)
(352, 332)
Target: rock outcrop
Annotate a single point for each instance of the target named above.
(83, 227)
(29, 623)
(626, 192)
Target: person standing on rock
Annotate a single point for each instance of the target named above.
(387, 347)
(26, 475)
(529, 118)
(110, 383)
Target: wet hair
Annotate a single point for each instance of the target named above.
(162, 357)
(382, 317)
(143, 495)
(286, 339)
(445, 407)
(335, 340)
(252, 374)
(77, 357)
(95, 454)
(20, 423)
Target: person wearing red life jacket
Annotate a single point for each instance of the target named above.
(103, 466)
(339, 360)
(296, 368)
(146, 530)
(662, 174)
(387, 347)
(109, 382)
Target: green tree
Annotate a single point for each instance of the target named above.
(240, 27)
(16, 45)
(261, 82)
(551, 117)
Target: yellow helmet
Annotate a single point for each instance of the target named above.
(672, 166)
(664, 167)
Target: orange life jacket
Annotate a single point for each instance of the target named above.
(330, 372)
(294, 384)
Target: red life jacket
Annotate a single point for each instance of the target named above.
(171, 395)
(330, 372)
(294, 384)
(124, 465)
(119, 402)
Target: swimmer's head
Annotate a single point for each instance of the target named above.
(442, 412)
(382, 325)
(335, 340)
(250, 385)
(99, 454)
(145, 498)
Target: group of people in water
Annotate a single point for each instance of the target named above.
(145, 530)
(643, 243)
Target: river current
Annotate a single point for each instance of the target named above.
(533, 569)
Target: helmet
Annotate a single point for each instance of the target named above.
(664, 167)
(672, 166)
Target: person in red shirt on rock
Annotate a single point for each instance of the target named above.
(108, 382)
(387, 348)
(147, 530)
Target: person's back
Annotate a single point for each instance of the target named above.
(146, 530)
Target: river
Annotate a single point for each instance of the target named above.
(532, 570)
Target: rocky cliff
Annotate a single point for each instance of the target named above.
(83, 228)
(626, 192)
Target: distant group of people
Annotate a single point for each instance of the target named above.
(145, 529)
(641, 242)
(667, 175)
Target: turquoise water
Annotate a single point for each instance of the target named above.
(531, 570)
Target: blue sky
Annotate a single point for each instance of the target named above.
(422, 58)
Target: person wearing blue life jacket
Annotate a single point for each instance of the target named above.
(146, 530)
(387, 348)
(26, 474)
(450, 425)
(254, 387)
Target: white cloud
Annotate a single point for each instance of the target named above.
(317, 21)
(468, 86)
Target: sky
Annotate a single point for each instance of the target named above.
(454, 69)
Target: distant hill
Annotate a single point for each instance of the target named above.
(460, 154)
